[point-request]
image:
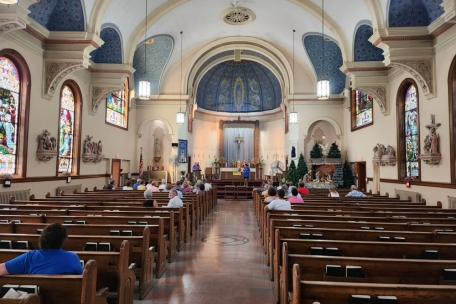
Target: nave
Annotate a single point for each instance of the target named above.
(222, 270)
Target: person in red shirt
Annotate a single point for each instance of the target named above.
(302, 190)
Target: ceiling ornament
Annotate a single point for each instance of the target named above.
(237, 16)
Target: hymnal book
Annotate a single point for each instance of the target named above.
(114, 232)
(308, 226)
(399, 239)
(332, 251)
(334, 270)
(81, 222)
(297, 225)
(104, 247)
(21, 245)
(316, 251)
(354, 272)
(33, 214)
(304, 236)
(143, 223)
(5, 244)
(38, 231)
(431, 254)
(4, 221)
(439, 230)
(90, 246)
(156, 216)
(131, 223)
(317, 236)
(365, 228)
(450, 216)
(384, 238)
(13, 294)
(449, 274)
(68, 222)
(82, 263)
(126, 233)
(7, 287)
(30, 289)
(360, 299)
(386, 300)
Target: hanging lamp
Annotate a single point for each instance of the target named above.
(293, 114)
(144, 84)
(323, 83)
(180, 117)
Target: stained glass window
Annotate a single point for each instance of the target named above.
(411, 132)
(364, 107)
(117, 108)
(66, 130)
(9, 109)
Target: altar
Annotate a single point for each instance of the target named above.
(233, 173)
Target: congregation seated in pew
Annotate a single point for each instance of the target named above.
(355, 193)
(110, 186)
(49, 259)
(163, 185)
(148, 196)
(174, 201)
(280, 203)
(127, 186)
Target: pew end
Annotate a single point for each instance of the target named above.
(295, 296)
(30, 299)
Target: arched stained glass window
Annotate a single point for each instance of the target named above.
(117, 107)
(364, 115)
(412, 147)
(66, 130)
(9, 97)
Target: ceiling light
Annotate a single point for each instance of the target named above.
(144, 84)
(323, 83)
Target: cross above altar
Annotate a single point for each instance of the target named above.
(239, 138)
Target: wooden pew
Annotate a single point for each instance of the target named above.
(68, 289)
(29, 299)
(305, 292)
(141, 253)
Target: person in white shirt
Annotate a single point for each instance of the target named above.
(127, 186)
(207, 186)
(175, 201)
(333, 192)
(163, 185)
(280, 203)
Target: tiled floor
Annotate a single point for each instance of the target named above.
(223, 263)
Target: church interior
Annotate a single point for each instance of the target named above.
(94, 90)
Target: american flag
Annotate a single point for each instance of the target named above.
(141, 164)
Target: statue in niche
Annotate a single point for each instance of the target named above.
(431, 155)
(157, 148)
(293, 152)
(47, 146)
(93, 151)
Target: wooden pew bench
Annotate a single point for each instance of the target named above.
(29, 299)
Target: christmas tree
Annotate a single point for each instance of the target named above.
(348, 175)
(334, 151)
(316, 151)
(293, 173)
(302, 166)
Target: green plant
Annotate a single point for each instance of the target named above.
(293, 173)
(348, 175)
(316, 151)
(334, 151)
(302, 166)
(261, 162)
(183, 172)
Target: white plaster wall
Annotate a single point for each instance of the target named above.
(316, 130)
(205, 143)
(272, 141)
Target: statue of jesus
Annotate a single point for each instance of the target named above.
(239, 138)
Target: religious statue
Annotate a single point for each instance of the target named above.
(431, 155)
(47, 146)
(156, 167)
(317, 177)
(384, 156)
(238, 164)
(93, 151)
(239, 138)
(157, 150)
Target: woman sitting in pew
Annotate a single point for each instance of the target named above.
(49, 259)
(333, 192)
(294, 197)
(148, 196)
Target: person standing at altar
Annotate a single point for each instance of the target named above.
(196, 170)
(246, 174)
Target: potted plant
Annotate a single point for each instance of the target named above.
(216, 163)
(182, 173)
(261, 163)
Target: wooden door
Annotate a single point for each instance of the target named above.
(115, 171)
(361, 176)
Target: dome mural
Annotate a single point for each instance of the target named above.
(244, 86)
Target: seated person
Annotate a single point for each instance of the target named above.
(142, 186)
(201, 189)
(207, 186)
(148, 202)
(280, 186)
(333, 192)
(163, 185)
(196, 188)
(272, 195)
(355, 193)
(49, 259)
(168, 188)
(174, 201)
(265, 189)
(110, 186)
(294, 198)
(279, 203)
(302, 190)
(127, 186)
(186, 188)
(152, 187)
(138, 182)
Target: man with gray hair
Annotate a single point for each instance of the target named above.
(207, 186)
(149, 202)
(175, 201)
(163, 185)
(355, 193)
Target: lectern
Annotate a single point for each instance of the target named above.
(197, 174)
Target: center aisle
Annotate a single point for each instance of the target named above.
(223, 263)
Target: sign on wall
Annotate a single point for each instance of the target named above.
(182, 151)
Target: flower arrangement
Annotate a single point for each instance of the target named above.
(261, 162)
(216, 162)
(183, 172)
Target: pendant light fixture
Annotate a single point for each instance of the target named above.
(180, 117)
(144, 85)
(8, 1)
(323, 83)
(293, 114)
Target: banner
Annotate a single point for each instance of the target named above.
(237, 171)
(182, 151)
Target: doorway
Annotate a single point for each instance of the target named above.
(361, 170)
(115, 171)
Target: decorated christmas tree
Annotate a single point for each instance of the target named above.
(302, 166)
(348, 175)
(334, 151)
(316, 151)
(293, 173)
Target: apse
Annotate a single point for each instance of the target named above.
(239, 87)
(414, 13)
(59, 15)
(111, 50)
(363, 49)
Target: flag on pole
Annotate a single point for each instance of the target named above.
(141, 164)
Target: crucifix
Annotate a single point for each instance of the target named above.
(239, 138)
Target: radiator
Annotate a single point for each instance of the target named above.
(23, 195)
(451, 202)
(68, 189)
(403, 195)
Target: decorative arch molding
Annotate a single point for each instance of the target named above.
(327, 119)
(376, 14)
(135, 38)
(332, 25)
(379, 95)
(145, 121)
(96, 16)
(247, 43)
(98, 94)
(54, 72)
